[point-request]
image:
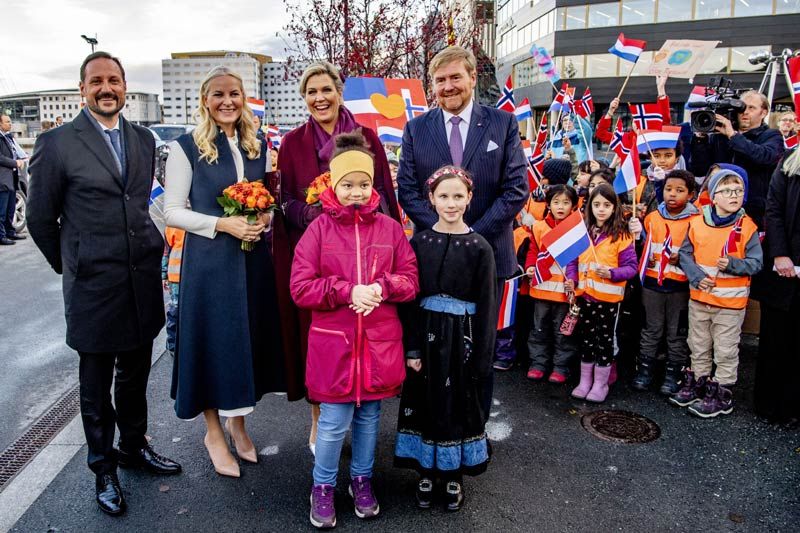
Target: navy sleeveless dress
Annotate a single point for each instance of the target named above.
(228, 351)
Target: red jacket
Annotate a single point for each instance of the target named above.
(351, 357)
(604, 133)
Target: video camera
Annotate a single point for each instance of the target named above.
(720, 99)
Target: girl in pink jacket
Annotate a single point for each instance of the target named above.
(351, 267)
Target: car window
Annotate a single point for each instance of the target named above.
(169, 133)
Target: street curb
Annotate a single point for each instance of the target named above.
(37, 475)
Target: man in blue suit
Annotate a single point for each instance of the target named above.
(484, 141)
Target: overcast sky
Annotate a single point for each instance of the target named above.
(42, 47)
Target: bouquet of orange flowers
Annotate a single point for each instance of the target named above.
(246, 198)
(320, 184)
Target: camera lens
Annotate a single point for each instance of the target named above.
(703, 121)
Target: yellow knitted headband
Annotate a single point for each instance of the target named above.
(351, 161)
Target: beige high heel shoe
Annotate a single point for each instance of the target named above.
(222, 459)
(247, 451)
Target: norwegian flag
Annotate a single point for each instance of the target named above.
(794, 74)
(733, 237)
(541, 135)
(541, 269)
(666, 252)
(646, 116)
(618, 143)
(645, 258)
(559, 99)
(536, 169)
(790, 142)
(585, 105)
(506, 102)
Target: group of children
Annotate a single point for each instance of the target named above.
(696, 254)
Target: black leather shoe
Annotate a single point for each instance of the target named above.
(6, 242)
(454, 496)
(424, 493)
(17, 237)
(148, 459)
(109, 494)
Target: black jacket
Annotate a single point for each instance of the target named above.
(757, 151)
(8, 167)
(782, 240)
(97, 232)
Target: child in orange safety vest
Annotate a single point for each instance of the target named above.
(603, 271)
(171, 277)
(550, 349)
(665, 288)
(721, 252)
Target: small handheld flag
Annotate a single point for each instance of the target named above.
(508, 303)
(666, 253)
(628, 49)
(793, 65)
(733, 237)
(620, 144)
(585, 105)
(646, 251)
(629, 172)
(541, 135)
(790, 142)
(523, 111)
(559, 99)
(568, 240)
(646, 116)
(256, 106)
(155, 191)
(541, 269)
(654, 139)
(506, 101)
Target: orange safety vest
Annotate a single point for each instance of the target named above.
(656, 225)
(730, 291)
(590, 283)
(174, 238)
(552, 289)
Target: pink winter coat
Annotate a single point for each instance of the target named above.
(352, 357)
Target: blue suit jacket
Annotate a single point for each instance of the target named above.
(499, 174)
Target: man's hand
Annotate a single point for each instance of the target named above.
(724, 126)
(20, 163)
(785, 267)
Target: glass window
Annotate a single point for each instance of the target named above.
(739, 55)
(524, 73)
(572, 67)
(601, 65)
(712, 9)
(601, 15)
(751, 8)
(576, 18)
(638, 11)
(716, 63)
(642, 66)
(674, 10)
(787, 6)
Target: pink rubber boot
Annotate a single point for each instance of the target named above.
(600, 386)
(586, 381)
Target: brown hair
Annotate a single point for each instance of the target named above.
(318, 68)
(451, 54)
(353, 140)
(449, 172)
(100, 55)
(760, 96)
(615, 227)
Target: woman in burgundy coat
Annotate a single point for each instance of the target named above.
(305, 154)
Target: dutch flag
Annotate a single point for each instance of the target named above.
(568, 240)
(508, 303)
(523, 111)
(654, 139)
(628, 174)
(257, 106)
(628, 49)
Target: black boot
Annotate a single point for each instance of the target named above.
(672, 379)
(644, 374)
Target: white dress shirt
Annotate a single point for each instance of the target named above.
(463, 126)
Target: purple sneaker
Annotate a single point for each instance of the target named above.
(323, 513)
(692, 390)
(718, 401)
(363, 498)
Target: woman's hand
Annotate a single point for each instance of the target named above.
(414, 364)
(785, 267)
(239, 228)
(265, 218)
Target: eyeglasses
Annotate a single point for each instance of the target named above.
(730, 193)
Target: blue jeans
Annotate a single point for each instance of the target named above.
(334, 421)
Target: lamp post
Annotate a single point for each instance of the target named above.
(91, 40)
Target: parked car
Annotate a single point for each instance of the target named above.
(20, 221)
(170, 132)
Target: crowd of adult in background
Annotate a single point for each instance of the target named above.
(399, 270)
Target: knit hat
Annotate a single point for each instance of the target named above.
(739, 170)
(557, 171)
(391, 157)
(716, 178)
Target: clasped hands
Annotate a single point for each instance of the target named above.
(366, 298)
(243, 230)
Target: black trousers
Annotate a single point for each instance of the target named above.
(97, 371)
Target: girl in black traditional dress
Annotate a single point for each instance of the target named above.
(449, 337)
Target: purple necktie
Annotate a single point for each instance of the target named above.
(456, 145)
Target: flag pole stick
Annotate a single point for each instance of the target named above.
(613, 132)
(589, 150)
(628, 77)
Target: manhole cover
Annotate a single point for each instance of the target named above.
(621, 426)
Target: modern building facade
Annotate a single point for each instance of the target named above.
(32, 108)
(579, 33)
(182, 74)
(284, 106)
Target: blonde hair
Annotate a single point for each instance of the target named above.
(791, 165)
(451, 54)
(318, 68)
(206, 132)
(761, 98)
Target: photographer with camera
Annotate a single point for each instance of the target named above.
(738, 135)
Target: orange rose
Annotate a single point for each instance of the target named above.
(251, 201)
(262, 203)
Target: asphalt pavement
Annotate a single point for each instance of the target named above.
(547, 473)
(37, 367)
